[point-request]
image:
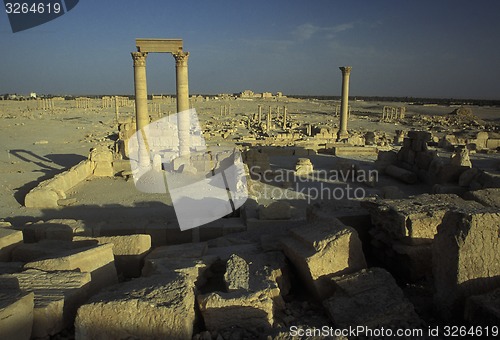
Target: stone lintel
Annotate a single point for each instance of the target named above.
(159, 45)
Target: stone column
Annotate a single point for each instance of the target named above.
(343, 134)
(268, 124)
(284, 117)
(260, 114)
(116, 108)
(141, 104)
(182, 87)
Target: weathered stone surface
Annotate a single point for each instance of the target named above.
(468, 176)
(252, 310)
(101, 154)
(258, 162)
(304, 167)
(237, 274)
(9, 239)
(488, 197)
(41, 198)
(483, 309)
(466, 258)
(98, 261)
(401, 174)
(129, 251)
(48, 192)
(57, 229)
(279, 210)
(11, 267)
(28, 252)
(189, 250)
(186, 259)
(370, 298)
(253, 307)
(461, 158)
(156, 307)
(16, 312)
(324, 249)
(414, 220)
(57, 297)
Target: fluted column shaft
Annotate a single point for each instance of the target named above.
(141, 104)
(182, 87)
(343, 134)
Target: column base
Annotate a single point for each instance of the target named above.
(342, 136)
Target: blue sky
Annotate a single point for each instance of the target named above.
(396, 48)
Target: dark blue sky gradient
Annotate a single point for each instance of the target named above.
(396, 48)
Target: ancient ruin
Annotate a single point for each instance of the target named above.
(247, 216)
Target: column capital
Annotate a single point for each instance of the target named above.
(139, 58)
(181, 58)
(346, 70)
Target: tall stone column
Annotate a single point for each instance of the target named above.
(284, 117)
(141, 104)
(182, 87)
(343, 134)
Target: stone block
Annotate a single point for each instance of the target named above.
(253, 307)
(488, 197)
(237, 274)
(483, 309)
(41, 198)
(16, 313)
(468, 176)
(156, 307)
(279, 210)
(401, 174)
(57, 229)
(414, 220)
(420, 135)
(322, 250)
(98, 261)
(57, 298)
(101, 154)
(103, 169)
(303, 167)
(9, 239)
(466, 258)
(129, 251)
(370, 298)
(28, 252)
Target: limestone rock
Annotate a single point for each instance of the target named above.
(401, 174)
(56, 229)
(414, 220)
(57, 297)
(253, 307)
(16, 314)
(304, 167)
(483, 309)
(249, 310)
(487, 197)
(279, 210)
(322, 250)
(156, 307)
(466, 258)
(129, 251)
(370, 298)
(28, 252)
(237, 274)
(98, 261)
(9, 239)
